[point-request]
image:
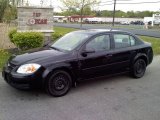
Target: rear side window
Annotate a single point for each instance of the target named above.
(122, 40)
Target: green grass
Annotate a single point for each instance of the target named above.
(3, 58)
(63, 30)
(60, 31)
(155, 43)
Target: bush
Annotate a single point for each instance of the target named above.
(11, 33)
(4, 55)
(3, 52)
(61, 31)
(56, 35)
(28, 40)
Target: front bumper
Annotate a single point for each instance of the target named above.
(20, 81)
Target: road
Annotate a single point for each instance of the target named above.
(114, 98)
(151, 33)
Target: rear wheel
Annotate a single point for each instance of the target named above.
(139, 68)
(59, 84)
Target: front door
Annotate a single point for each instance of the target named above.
(96, 58)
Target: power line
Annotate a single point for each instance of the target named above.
(131, 3)
(114, 10)
(140, 2)
(106, 2)
(116, 0)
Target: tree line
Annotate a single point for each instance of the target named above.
(129, 14)
(106, 13)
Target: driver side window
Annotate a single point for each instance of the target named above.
(100, 43)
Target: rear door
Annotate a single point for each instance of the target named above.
(124, 49)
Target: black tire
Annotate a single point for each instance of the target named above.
(59, 84)
(138, 68)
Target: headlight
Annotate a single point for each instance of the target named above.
(28, 68)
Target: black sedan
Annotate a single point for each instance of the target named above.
(79, 56)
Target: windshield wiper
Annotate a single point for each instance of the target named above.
(55, 48)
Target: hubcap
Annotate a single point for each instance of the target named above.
(140, 67)
(60, 82)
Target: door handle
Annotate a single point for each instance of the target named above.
(133, 51)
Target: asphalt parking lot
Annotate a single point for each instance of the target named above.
(114, 98)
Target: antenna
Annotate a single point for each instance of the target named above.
(27, 3)
(50, 3)
(41, 2)
(111, 29)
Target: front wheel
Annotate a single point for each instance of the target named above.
(59, 84)
(139, 68)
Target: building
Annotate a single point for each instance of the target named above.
(154, 20)
(110, 19)
(92, 19)
(77, 18)
(60, 19)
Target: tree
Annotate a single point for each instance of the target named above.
(10, 13)
(8, 7)
(16, 2)
(87, 10)
(144, 14)
(3, 5)
(106, 13)
(79, 5)
(120, 13)
(131, 14)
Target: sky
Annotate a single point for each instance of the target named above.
(123, 7)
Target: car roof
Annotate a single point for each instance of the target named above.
(96, 31)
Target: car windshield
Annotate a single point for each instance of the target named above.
(70, 41)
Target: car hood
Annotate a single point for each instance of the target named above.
(36, 57)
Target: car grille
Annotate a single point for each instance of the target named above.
(11, 66)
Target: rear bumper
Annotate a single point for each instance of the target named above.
(23, 82)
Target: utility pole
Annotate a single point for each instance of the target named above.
(82, 7)
(114, 12)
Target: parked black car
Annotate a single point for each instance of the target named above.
(137, 23)
(78, 56)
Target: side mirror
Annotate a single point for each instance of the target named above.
(86, 52)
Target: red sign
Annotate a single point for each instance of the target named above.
(31, 21)
(36, 20)
(36, 14)
(40, 21)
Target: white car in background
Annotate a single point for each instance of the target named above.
(124, 23)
